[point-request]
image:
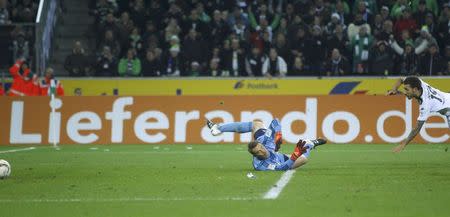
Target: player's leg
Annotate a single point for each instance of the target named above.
(236, 127)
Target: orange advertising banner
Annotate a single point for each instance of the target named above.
(181, 119)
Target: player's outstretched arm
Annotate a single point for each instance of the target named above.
(394, 90)
(295, 160)
(411, 136)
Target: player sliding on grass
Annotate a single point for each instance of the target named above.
(267, 143)
(430, 100)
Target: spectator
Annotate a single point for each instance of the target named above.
(172, 29)
(385, 13)
(298, 68)
(382, 62)
(317, 50)
(366, 13)
(377, 25)
(361, 44)
(331, 26)
(45, 87)
(174, 63)
(125, 25)
(274, 65)
(283, 27)
(264, 18)
(130, 65)
(337, 65)
(151, 65)
(408, 57)
(424, 35)
(405, 22)
(214, 67)
(109, 24)
(431, 63)
(174, 12)
(429, 22)
(371, 6)
(194, 48)
(204, 17)
(135, 42)
(219, 29)
(77, 92)
(289, 14)
(447, 69)
(4, 13)
(106, 63)
(254, 62)
(138, 13)
(193, 22)
(343, 10)
(429, 4)
(236, 16)
(443, 35)
(151, 31)
(299, 44)
(77, 63)
(421, 13)
(398, 8)
(233, 59)
(354, 28)
(385, 32)
(104, 7)
(282, 47)
(239, 29)
(112, 43)
(195, 69)
(338, 41)
(21, 47)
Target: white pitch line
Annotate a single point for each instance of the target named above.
(133, 199)
(17, 150)
(282, 182)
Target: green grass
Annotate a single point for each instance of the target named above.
(210, 180)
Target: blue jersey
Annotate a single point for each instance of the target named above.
(275, 161)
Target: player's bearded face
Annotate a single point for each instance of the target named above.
(409, 92)
(260, 152)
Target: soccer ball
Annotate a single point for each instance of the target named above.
(5, 169)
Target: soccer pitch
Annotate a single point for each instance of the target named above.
(211, 180)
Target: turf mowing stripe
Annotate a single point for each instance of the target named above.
(17, 150)
(278, 187)
(135, 199)
(221, 152)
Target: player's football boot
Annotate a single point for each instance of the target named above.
(214, 127)
(319, 141)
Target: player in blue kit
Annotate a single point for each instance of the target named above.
(266, 144)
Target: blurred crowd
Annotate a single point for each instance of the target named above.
(17, 19)
(267, 38)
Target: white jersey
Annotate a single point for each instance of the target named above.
(433, 100)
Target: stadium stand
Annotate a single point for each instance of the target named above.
(234, 38)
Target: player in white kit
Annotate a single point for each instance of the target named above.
(430, 99)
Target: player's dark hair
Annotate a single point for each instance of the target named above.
(413, 82)
(252, 145)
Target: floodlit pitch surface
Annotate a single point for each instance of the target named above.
(211, 180)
